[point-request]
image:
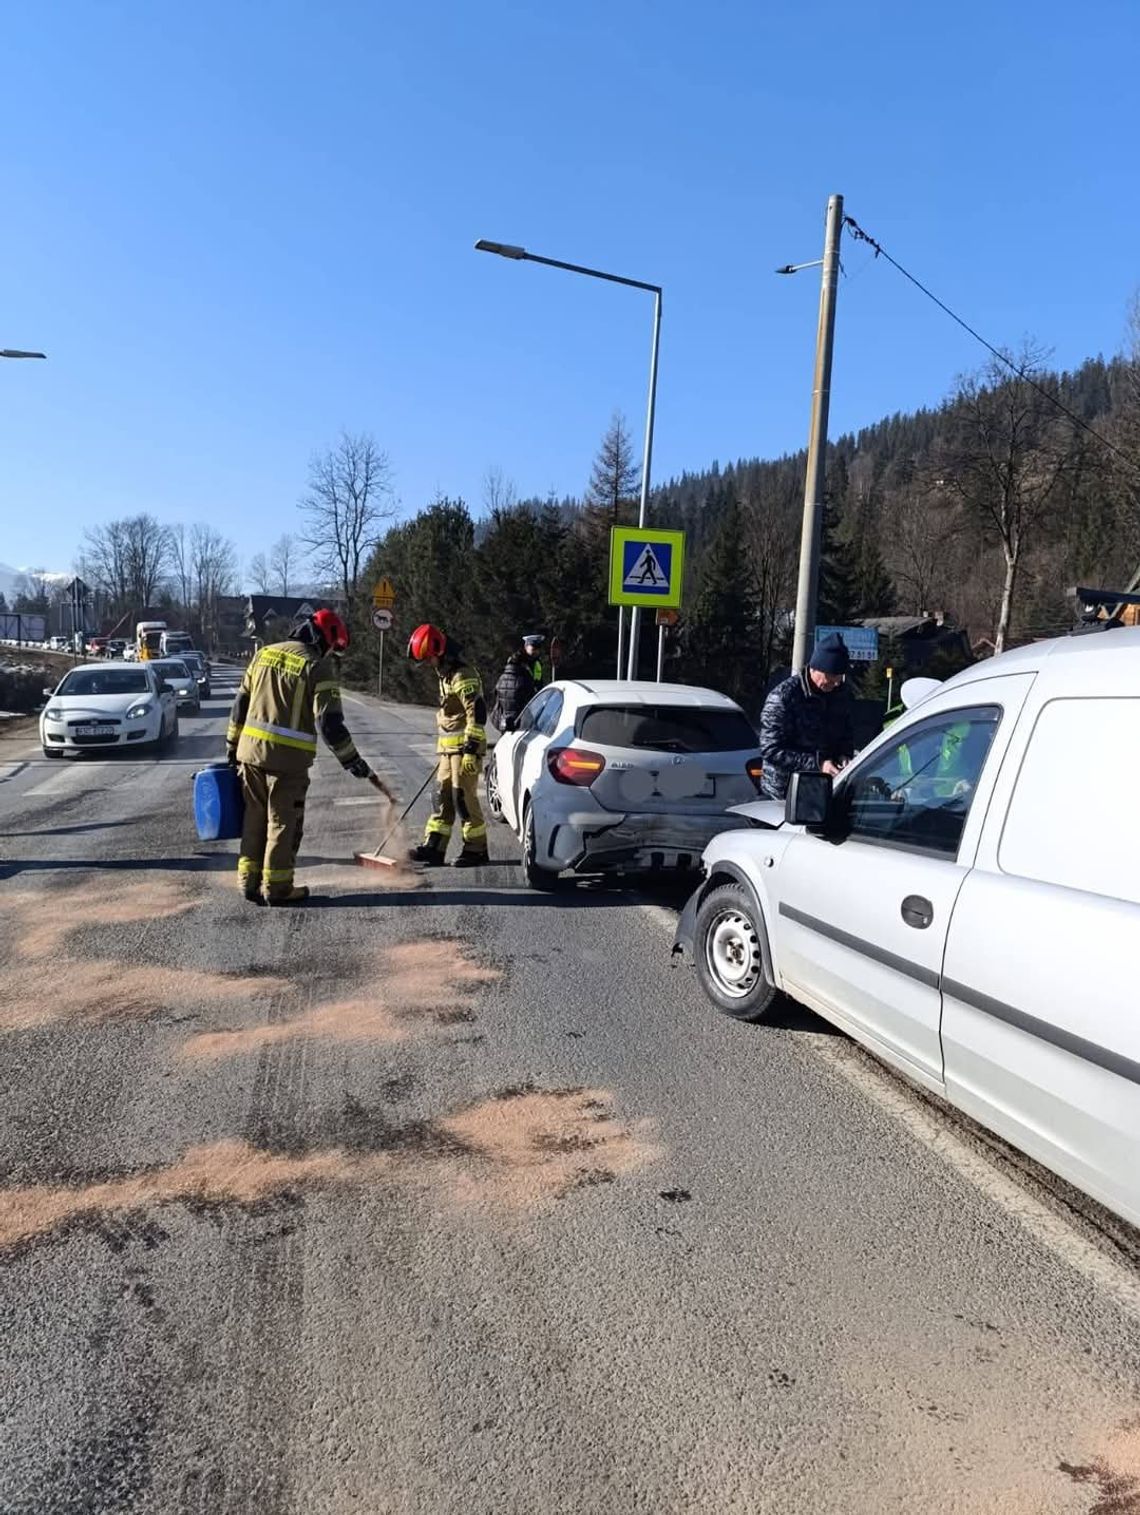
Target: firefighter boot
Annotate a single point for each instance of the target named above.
(296, 895)
(430, 852)
(471, 857)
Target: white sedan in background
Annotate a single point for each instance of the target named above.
(625, 777)
(108, 705)
(182, 679)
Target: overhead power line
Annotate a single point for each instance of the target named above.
(1019, 370)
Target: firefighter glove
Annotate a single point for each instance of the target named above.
(359, 768)
(470, 764)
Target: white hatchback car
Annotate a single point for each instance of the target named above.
(108, 705)
(608, 775)
(965, 901)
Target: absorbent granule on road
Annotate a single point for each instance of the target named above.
(104, 990)
(514, 1150)
(40, 920)
(529, 1147)
(421, 982)
(348, 1020)
(225, 1172)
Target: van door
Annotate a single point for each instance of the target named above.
(864, 916)
(1041, 1025)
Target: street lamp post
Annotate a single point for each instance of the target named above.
(807, 590)
(519, 255)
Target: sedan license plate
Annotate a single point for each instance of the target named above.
(94, 731)
(707, 791)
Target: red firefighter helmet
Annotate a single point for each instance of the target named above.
(426, 642)
(333, 631)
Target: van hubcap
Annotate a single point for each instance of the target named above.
(732, 951)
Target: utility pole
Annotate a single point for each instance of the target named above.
(807, 591)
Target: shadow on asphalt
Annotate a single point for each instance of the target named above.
(787, 1015)
(73, 830)
(504, 898)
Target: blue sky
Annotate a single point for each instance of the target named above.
(237, 228)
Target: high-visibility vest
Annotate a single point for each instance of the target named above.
(289, 691)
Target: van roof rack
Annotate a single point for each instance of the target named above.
(1101, 608)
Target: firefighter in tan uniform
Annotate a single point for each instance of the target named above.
(290, 692)
(461, 722)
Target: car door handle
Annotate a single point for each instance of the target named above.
(917, 912)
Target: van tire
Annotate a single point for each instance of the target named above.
(730, 952)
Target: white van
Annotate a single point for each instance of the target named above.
(965, 901)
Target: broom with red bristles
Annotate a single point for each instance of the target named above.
(377, 859)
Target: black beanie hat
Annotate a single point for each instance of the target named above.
(831, 655)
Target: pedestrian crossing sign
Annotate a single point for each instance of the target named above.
(646, 566)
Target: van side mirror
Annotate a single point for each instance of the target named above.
(165, 688)
(48, 693)
(809, 801)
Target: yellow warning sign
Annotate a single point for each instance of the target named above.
(384, 594)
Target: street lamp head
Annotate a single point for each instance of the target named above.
(15, 352)
(504, 249)
(794, 268)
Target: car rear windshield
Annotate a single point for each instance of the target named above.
(105, 681)
(171, 668)
(668, 728)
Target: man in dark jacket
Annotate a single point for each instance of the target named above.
(514, 691)
(807, 725)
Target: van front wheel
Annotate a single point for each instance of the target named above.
(729, 951)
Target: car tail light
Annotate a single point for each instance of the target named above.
(755, 772)
(574, 765)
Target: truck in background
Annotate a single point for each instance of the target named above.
(148, 640)
(172, 643)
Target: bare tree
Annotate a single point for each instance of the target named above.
(129, 559)
(259, 573)
(214, 566)
(181, 564)
(1125, 462)
(1003, 456)
(283, 564)
(771, 522)
(348, 497)
(917, 543)
(104, 559)
(499, 492)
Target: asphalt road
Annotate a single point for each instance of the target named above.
(437, 1195)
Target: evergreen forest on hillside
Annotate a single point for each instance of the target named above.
(987, 509)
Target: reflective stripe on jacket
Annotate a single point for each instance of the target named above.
(461, 719)
(287, 696)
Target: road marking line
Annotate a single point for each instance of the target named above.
(1062, 1235)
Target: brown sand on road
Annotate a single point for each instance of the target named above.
(221, 1172)
(514, 1150)
(530, 1146)
(411, 979)
(104, 990)
(39, 920)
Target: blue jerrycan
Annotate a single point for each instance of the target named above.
(217, 803)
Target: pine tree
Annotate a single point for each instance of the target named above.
(614, 479)
(838, 599)
(722, 634)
